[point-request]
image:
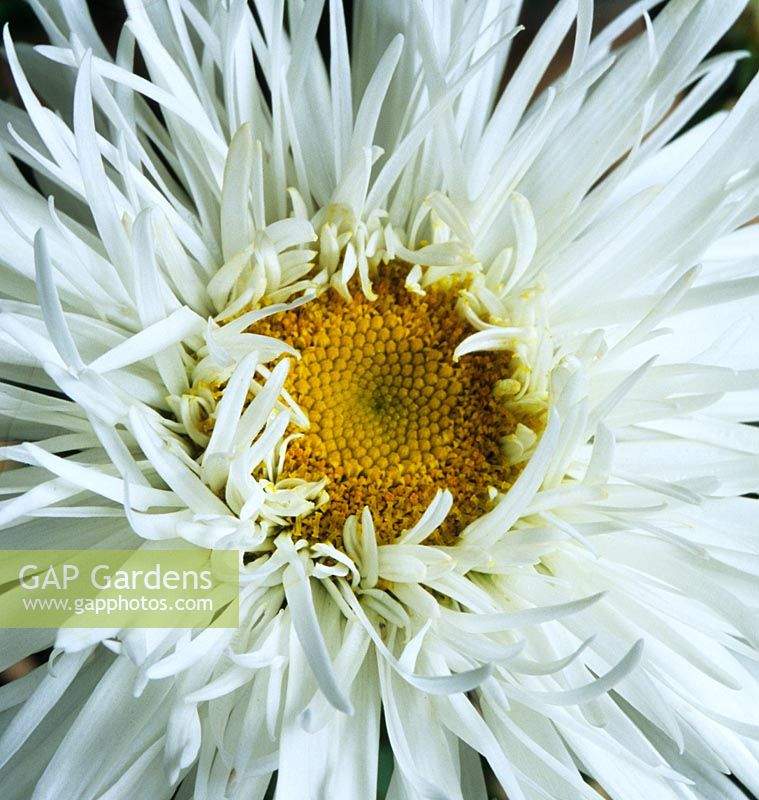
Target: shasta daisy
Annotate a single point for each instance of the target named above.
(461, 374)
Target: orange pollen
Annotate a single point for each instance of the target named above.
(392, 417)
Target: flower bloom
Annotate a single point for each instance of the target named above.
(463, 376)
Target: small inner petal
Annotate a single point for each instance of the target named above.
(393, 418)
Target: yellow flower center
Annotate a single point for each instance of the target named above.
(392, 417)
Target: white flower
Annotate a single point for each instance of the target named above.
(158, 280)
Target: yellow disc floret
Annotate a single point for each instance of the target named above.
(393, 418)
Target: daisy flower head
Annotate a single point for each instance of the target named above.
(461, 373)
